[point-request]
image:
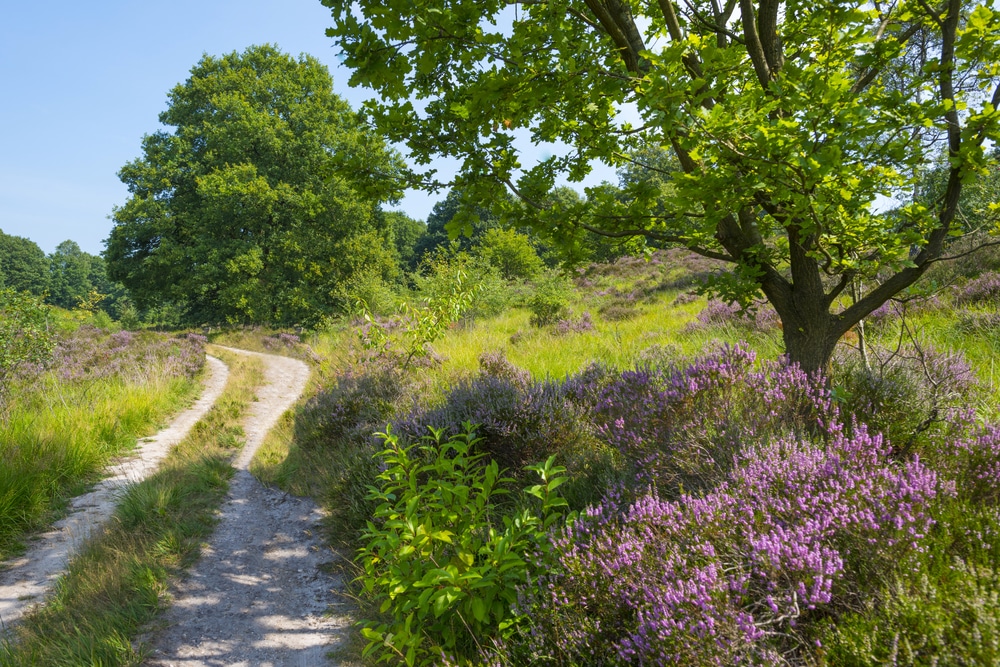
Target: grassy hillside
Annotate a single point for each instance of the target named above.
(705, 503)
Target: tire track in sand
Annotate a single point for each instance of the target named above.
(24, 581)
(259, 595)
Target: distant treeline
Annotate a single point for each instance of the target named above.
(68, 277)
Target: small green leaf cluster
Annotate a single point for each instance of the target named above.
(422, 325)
(445, 573)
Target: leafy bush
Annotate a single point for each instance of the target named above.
(25, 339)
(490, 293)
(510, 253)
(434, 560)
(418, 326)
(550, 300)
(370, 287)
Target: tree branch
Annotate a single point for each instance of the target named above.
(616, 20)
(754, 47)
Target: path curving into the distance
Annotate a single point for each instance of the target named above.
(24, 581)
(260, 595)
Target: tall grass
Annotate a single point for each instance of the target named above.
(116, 585)
(66, 424)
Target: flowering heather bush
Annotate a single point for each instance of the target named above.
(792, 533)
(618, 311)
(880, 318)
(969, 456)
(520, 421)
(338, 426)
(683, 426)
(685, 298)
(570, 325)
(355, 406)
(716, 313)
(89, 354)
(719, 313)
(977, 321)
(983, 289)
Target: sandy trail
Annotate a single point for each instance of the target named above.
(259, 596)
(25, 580)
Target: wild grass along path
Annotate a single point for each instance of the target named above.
(259, 596)
(24, 581)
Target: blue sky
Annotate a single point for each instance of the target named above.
(84, 81)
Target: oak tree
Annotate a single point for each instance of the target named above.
(260, 203)
(799, 128)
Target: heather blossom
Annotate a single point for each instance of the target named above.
(724, 578)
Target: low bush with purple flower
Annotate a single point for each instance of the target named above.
(748, 513)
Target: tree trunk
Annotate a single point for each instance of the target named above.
(810, 348)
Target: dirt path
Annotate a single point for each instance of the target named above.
(25, 580)
(259, 596)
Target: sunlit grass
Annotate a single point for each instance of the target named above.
(116, 585)
(59, 437)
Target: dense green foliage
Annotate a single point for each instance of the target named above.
(448, 575)
(23, 266)
(26, 338)
(244, 212)
(780, 124)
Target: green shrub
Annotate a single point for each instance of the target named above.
(510, 253)
(369, 287)
(25, 338)
(436, 559)
(952, 621)
(491, 294)
(550, 300)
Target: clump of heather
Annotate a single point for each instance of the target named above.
(282, 341)
(519, 420)
(571, 325)
(982, 289)
(907, 393)
(733, 576)
(89, 354)
(338, 426)
(762, 317)
(981, 322)
(682, 426)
